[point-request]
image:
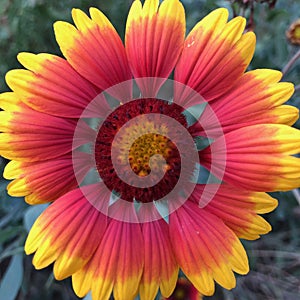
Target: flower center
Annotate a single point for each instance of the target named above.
(151, 145)
(142, 150)
(297, 32)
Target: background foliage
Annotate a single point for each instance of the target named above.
(26, 25)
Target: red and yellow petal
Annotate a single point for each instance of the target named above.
(256, 98)
(94, 49)
(67, 232)
(45, 181)
(206, 249)
(284, 114)
(9, 101)
(238, 209)
(116, 266)
(160, 269)
(154, 40)
(255, 91)
(257, 157)
(52, 86)
(32, 136)
(214, 56)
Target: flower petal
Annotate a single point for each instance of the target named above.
(47, 180)
(154, 39)
(240, 106)
(52, 86)
(205, 248)
(9, 101)
(214, 56)
(117, 264)
(94, 49)
(257, 158)
(238, 209)
(160, 269)
(67, 232)
(33, 136)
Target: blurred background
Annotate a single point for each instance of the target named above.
(26, 25)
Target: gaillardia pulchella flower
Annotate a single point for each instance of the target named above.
(293, 33)
(148, 175)
(184, 290)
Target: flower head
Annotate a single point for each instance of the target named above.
(184, 290)
(293, 33)
(147, 175)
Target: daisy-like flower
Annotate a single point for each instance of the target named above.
(148, 175)
(293, 33)
(184, 291)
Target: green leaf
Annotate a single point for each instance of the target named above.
(10, 232)
(12, 250)
(12, 280)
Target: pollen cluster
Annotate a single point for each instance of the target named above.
(149, 146)
(145, 152)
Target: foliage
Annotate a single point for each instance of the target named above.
(26, 25)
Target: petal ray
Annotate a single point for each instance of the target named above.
(206, 249)
(214, 56)
(94, 49)
(241, 106)
(65, 233)
(160, 269)
(238, 208)
(32, 136)
(154, 39)
(258, 158)
(117, 264)
(52, 86)
(45, 181)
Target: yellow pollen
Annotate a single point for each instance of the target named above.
(297, 32)
(145, 152)
(180, 294)
(142, 150)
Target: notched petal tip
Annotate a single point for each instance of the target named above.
(81, 20)
(24, 57)
(150, 8)
(65, 34)
(15, 75)
(10, 102)
(268, 76)
(81, 282)
(214, 19)
(35, 62)
(100, 18)
(134, 14)
(234, 29)
(264, 203)
(246, 46)
(12, 170)
(30, 243)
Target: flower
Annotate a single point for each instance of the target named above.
(132, 202)
(184, 291)
(293, 33)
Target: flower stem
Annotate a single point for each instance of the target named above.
(291, 62)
